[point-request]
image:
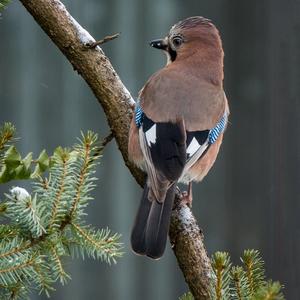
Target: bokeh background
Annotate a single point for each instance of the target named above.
(251, 198)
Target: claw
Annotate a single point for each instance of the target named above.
(187, 196)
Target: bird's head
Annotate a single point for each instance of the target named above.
(190, 36)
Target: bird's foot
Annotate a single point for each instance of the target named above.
(186, 197)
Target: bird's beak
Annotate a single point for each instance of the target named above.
(159, 44)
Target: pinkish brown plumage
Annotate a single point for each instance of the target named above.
(178, 125)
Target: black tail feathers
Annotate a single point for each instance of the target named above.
(138, 242)
(151, 227)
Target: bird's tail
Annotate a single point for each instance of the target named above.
(150, 230)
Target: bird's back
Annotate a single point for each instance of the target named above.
(176, 92)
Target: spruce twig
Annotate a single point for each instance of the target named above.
(245, 282)
(254, 267)
(3, 4)
(48, 224)
(221, 266)
(7, 131)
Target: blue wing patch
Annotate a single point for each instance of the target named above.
(139, 115)
(216, 131)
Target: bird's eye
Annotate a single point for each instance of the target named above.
(177, 41)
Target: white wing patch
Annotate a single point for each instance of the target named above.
(151, 135)
(185, 176)
(193, 147)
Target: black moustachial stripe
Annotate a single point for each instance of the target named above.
(173, 54)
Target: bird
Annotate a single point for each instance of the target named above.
(177, 127)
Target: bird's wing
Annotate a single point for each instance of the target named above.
(168, 147)
(170, 151)
(198, 142)
(164, 149)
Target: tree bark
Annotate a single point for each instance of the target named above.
(186, 239)
(95, 68)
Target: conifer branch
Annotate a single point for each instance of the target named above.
(7, 132)
(59, 194)
(100, 244)
(3, 4)
(242, 282)
(88, 237)
(59, 270)
(40, 232)
(81, 179)
(14, 268)
(254, 269)
(44, 278)
(25, 212)
(269, 291)
(239, 290)
(221, 266)
(22, 246)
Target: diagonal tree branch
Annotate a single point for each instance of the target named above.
(95, 68)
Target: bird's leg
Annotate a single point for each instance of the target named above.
(187, 196)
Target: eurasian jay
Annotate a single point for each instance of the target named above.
(178, 125)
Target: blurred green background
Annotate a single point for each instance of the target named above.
(250, 199)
